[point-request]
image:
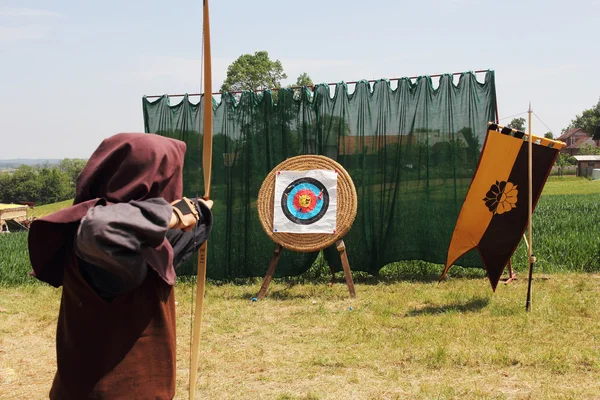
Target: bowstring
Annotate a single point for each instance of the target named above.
(198, 161)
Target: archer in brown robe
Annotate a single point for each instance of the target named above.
(115, 257)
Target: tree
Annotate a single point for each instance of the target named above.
(589, 150)
(549, 135)
(55, 185)
(40, 184)
(72, 166)
(253, 72)
(518, 124)
(588, 120)
(5, 187)
(304, 80)
(564, 160)
(25, 185)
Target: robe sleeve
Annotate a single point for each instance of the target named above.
(112, 237)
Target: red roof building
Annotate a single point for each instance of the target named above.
(574, 139)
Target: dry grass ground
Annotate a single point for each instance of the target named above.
(396, 340)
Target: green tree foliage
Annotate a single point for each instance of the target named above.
(588, 150)
(518, 124)
(564, 160)
(41, 184)
(5, 186)
(253, 72)
(24, 185)
(588, 120)
(72, 166)
(549, 135)
(54, 185)
(304, 80)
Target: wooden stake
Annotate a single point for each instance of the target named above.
(511, 274)
(270, 272)
(277, 255)
(346, 265)
(529, 213)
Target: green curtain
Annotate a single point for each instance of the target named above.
(411, 152)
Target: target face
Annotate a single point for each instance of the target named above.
(305, 201)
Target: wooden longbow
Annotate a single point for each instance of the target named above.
(206, 168)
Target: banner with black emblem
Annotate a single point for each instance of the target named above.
(494, 214)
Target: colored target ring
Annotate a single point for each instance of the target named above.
(305, 201)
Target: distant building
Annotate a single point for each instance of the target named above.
(586, 164)
(371, 144)
(575, 138)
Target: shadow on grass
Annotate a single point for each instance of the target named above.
(274, 294)
(472, 305)
(319, 274)
(285, 295)
(387, 276)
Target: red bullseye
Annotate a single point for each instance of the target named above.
(305, 200)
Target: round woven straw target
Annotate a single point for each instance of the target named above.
(346, 204)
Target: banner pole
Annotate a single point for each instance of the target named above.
(529, 214)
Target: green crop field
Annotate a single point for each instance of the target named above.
(566, 236)
(46, 209)
(14, 259)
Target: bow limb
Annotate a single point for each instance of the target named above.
(206, 167)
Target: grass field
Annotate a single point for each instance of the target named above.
(14, 260)
(398, 339)
(403, 337)
(570, 185)
(41, 211)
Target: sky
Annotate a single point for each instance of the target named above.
(74, 72)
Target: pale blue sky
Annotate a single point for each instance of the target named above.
(73, 72)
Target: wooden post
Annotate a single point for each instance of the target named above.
(529, 213)
(270, 272)
(511, 274)
(346, 265)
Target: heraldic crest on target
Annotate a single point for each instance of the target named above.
(307, 203)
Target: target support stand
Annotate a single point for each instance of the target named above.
(270, 271)
(277, 255)
(346, 266)
(346, 208)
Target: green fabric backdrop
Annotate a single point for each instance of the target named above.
(411, 152)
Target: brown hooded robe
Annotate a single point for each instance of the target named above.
(124, 349)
